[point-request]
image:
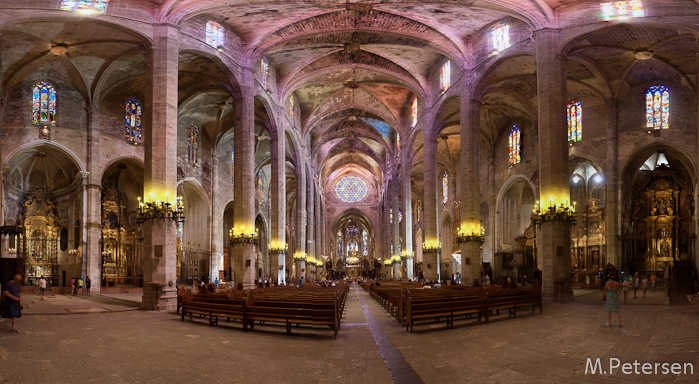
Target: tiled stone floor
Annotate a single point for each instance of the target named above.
(101, 339)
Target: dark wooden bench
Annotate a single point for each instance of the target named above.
(444, 309)
(292, 315)
(213, 311)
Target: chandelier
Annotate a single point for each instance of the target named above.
(243, 235)
(562, 212)
(277, 248)
(473, 235)
(156, 209)
(301, 256)
(431, 247)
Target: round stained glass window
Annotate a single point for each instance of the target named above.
(351, 189)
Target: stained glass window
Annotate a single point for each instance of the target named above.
(305, 218)
(417, 211)
(180, 235)
(413, 113)
(339, 243)
(233, 166)
(261, 189)
(622, 9)
(351, 189)
(352, 246)
(132, 129)
(365, 242)
(193, 143)
(445, 188)
(658, 107)
(264, 70)
(500, 38)
(445, 76)
(515, 146)
(214, 34)
(85, 6)
(390, 215)
(292, 109)
(352, 230)
(44, 104)
(398, 144)
(400, 216)
(574, 121)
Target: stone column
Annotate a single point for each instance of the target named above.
(93, 223)
(430, 259)
(83, 269)
(395, 226)
(160, 168)
(216, 222)
(469, 178)
(300, 265)
(243, 253)
(407, 225)
(278, 197)
(611, 211)
(317, 219)
(310, 217)
(554, 236)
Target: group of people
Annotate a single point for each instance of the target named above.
(76, 286)
(628, 283)
(614, 285)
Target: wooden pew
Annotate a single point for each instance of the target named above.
(213, 311)
(444, 309)
(289, 313)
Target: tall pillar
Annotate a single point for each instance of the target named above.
(469, 178)
(278, 192)
(216, 222)
(407, 225)
(310, 217)
(160, 168)
(300, 264)
(430, 258)
(243, 253)
(612, 187)
(554, 236)
(317, 219)
(395, 226)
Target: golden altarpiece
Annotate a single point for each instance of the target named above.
(121, 243)
(40, 220)
(660, 212)
(588, 241)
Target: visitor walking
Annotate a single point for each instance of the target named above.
(80, 285)
(625, 286)
(88, 285)
(611, 300)
(12, 291)
(644, 285)
(72, 287)
(653, 280)
(636, 281)
(42, 287)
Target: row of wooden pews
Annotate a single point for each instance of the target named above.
(410, 304)
(312, 306)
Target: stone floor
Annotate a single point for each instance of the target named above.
(106, 339)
